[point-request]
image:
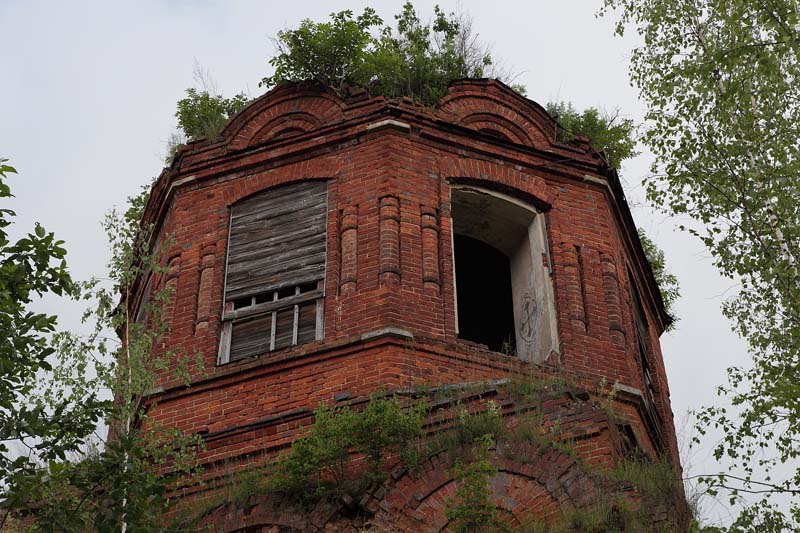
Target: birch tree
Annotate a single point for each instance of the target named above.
(125, 481)
(720, 82)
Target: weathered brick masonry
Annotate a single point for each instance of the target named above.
(387, 319)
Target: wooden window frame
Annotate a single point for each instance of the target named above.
(231, 316)
(273, 301)
(649, 395)
(642, 329)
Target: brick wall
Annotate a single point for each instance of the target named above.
(389, 165)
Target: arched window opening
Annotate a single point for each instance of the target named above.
(504, 295)
(643, 345)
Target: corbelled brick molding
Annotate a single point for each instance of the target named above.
(386, 311)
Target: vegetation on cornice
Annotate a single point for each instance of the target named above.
(414, 58)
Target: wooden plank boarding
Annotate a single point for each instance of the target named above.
(278, 239)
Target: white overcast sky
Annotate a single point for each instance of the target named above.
(88, 92)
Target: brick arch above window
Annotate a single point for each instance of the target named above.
(521, 184)
(470, 102)
(306, 104)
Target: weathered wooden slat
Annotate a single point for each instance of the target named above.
(267, 307)
(277, 238)
(285, 328)
(302, 268)
(285, 262)
(273, 210)
(279, 229)
(307, 323)
(279, 225)
(275, 254)
(276, 281)
(262, 260)
(250, 337)
(281, 220)
(279, 195)
(281, 214)
(278, 218)
(244, 249)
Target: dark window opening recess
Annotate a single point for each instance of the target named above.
(504, 296)
(629, 446)
(483, 292)
(642, 335)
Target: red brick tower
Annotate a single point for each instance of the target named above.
(325, 248)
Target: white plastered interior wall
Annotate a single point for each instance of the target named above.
(516, 229)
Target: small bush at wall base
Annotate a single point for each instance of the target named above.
(468, 428)
(473, 510)
(530, 429)
(471, 427)
(319, 465)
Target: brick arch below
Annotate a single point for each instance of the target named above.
(291, 123)
(541, 487)
(498, 126)
(517, 499)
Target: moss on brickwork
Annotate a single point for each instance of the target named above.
(351, 456)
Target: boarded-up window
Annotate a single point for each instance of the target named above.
(143, 311)
(274, 283)
(641, 336)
